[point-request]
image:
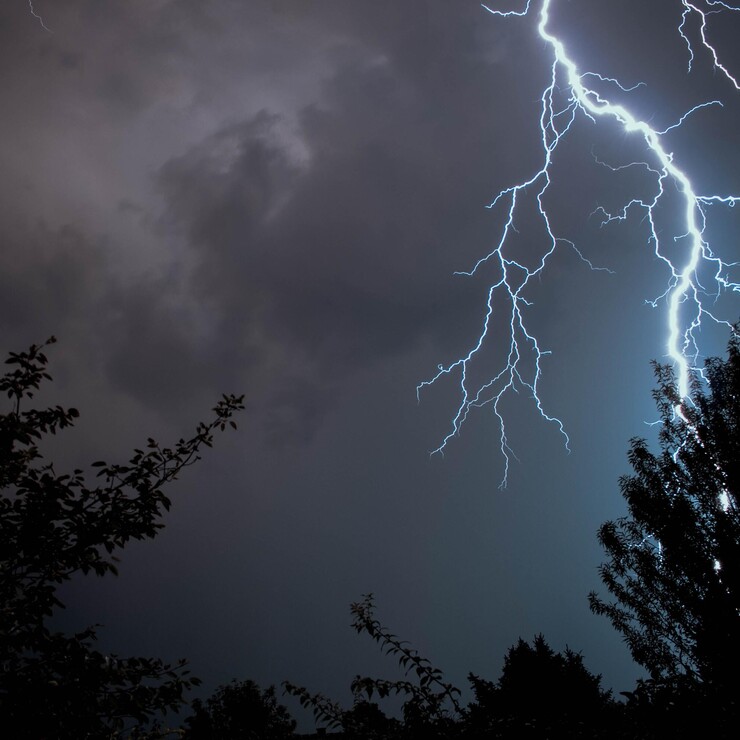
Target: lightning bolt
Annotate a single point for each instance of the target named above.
(567, 96)
(688, 9)
(38, 17)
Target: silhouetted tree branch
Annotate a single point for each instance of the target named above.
(53, 526)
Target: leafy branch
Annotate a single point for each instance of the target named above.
(428, 677)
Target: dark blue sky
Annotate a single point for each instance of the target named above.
(272, 198)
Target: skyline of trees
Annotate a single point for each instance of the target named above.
(673, 572)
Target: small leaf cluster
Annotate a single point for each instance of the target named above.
(325, 711)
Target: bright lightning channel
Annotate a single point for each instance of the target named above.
(684, 292)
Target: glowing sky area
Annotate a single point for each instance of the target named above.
(289, 200)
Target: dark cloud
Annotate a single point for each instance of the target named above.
(298, 267)
(340, 256)
(50, 282)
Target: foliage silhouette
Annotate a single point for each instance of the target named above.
(53, 526)
(325, 711)
(541, 694)
(674, 561)
(430, 708)
(430, 696)
(240, 711)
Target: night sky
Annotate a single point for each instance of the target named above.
(272, 198)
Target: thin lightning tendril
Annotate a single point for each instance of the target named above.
(684, 293)
(38, 17)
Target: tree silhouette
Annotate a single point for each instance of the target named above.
(540, 694)
(674, 561)
(53, 526)
(240, 711)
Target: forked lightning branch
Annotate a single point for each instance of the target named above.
(568, 93)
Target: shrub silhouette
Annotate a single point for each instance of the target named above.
(240, 711)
